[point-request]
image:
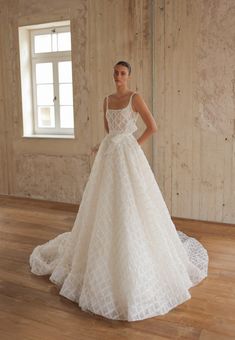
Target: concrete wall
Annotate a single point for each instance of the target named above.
(103, 32)
(194, 152)
(182, 54)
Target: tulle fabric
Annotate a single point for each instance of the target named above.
(123, 258)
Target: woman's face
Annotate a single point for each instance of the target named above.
(120, 75)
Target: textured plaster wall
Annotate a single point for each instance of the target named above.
(215, 89)
(54, 177)
(194, 151)
(182, 54)
(58, 169)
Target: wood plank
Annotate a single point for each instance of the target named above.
(31, 306)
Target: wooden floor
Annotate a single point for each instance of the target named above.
(31, 308)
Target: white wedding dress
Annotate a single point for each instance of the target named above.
(123, 259)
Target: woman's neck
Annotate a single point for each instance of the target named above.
(122, 91)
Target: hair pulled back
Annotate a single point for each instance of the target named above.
(124, 63)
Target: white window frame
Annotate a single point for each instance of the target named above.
(54, 58)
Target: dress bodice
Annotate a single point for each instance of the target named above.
(121, 120)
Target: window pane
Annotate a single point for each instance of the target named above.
(44, 73)
(42, 43)
(66, 94)
(45, 95)
(65, 72)
(66, 117)
(64, 41)
(46, 116)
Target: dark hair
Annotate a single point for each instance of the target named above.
(126, 64)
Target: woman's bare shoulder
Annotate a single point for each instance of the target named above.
(112, 95)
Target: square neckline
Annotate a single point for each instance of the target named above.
(108, 109)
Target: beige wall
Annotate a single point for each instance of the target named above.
(194, 153)
(103, 32)
(189, 45)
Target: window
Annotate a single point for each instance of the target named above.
(47, 70)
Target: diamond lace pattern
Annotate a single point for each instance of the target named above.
(123, 258)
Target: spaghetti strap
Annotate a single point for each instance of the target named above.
(130, 101)
(132, 95)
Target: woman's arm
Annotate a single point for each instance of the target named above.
(151, 126)
(105, 119)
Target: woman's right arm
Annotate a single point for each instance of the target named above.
(95, 148)
(105, 119)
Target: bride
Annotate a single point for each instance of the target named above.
(123, 258)
(121, 75)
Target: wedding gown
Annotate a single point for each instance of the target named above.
(123, 258)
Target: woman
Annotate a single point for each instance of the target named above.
(123, 258)
(122, 71)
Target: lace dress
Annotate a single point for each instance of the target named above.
(123, 258)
